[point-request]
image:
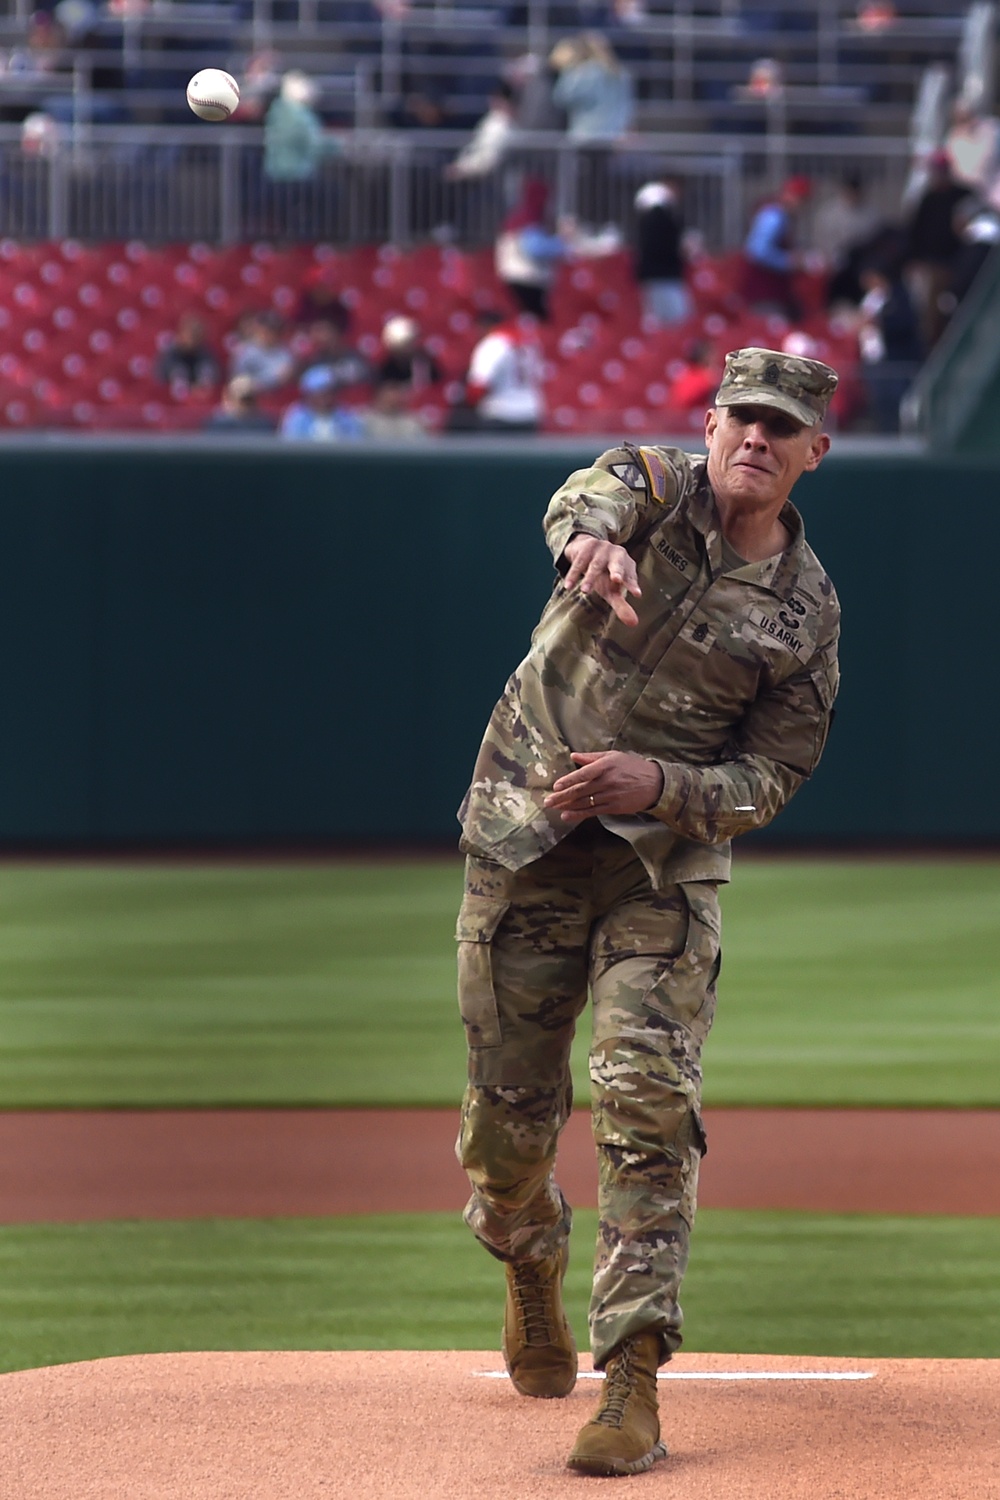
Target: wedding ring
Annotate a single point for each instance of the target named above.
(593, 800)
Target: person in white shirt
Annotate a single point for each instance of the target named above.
(504, 383)
(485, 148)
(973, 143)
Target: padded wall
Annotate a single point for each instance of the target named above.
(254, 645)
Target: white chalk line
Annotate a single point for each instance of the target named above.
(719, 1374)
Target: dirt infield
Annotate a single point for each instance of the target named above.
(434, 1426)
(448, 1426)
(167, 1164)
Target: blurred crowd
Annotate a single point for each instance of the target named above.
(817, 264)
(820, 262)
(302, 377)
(611, 60)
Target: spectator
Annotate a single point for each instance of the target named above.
(767, 79)
(626, 23)
(973, 145)
(532, 78)
(889, 342)
(696, 378)
(527, 253)
(24, 195)
(389, 417)
(296, 144)
(329, 348)
(470, 194)
(978, 226)
(262, 352)
(504, 383)
(843, 228)
(187, 362)
(260, 80)
(315, 417)
(96, 41)
(45, 50)
(596, 93)
(484, 151)
(769, 257)
(406, 362)
(592, 87)
(421, 109)
(319, 297)
(659, 258)
(295, 140)
(238, 411)
(40, 134)
(933, 245)
(876, 15)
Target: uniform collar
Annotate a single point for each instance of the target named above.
(779, 573)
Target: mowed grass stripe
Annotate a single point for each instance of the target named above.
(780, 1283)
(845, 982)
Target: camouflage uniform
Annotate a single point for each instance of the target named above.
(727, 683)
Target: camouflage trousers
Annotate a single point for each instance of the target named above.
(530, 943)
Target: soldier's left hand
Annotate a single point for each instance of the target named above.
(608, 782)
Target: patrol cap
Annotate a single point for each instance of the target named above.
(767, 377)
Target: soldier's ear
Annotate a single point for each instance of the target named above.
(711, 423)
(818, 448)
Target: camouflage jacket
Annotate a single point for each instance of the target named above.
(727, 682)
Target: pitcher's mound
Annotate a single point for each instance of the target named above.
(432, 1426)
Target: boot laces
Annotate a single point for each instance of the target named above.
(533, 1298)
(618, 1387)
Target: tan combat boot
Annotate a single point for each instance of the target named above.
(624, 1436)
(538, 1347)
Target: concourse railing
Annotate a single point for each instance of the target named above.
(170, 183)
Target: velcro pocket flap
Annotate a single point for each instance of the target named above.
(479, 918)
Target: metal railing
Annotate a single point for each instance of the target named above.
(962, 366)
(195, 182)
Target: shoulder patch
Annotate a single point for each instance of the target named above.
(657, 480)
(630, 474)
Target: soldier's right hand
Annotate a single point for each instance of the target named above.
(605, 569)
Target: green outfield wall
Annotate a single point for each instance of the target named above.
(226, 646)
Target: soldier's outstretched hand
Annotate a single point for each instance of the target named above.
(605, 569)
(606, 781)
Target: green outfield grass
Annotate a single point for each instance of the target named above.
(845, 982)
(777, 1283)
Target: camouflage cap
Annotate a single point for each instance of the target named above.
(767, 377)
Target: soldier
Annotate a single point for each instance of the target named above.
(678, 690)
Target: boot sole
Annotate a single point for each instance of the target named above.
(542, 1395)
(616, 1468)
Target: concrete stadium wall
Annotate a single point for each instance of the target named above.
(244, 646)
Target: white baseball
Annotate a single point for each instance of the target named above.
(212, 94)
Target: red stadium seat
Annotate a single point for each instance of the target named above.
(81, 326)
(21, 411)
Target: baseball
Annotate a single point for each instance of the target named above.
(212, 94)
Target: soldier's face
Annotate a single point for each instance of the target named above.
(756, 454)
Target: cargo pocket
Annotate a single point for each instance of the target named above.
(688, 981)
(703, 948)
(478, 920)
(699, 1133)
